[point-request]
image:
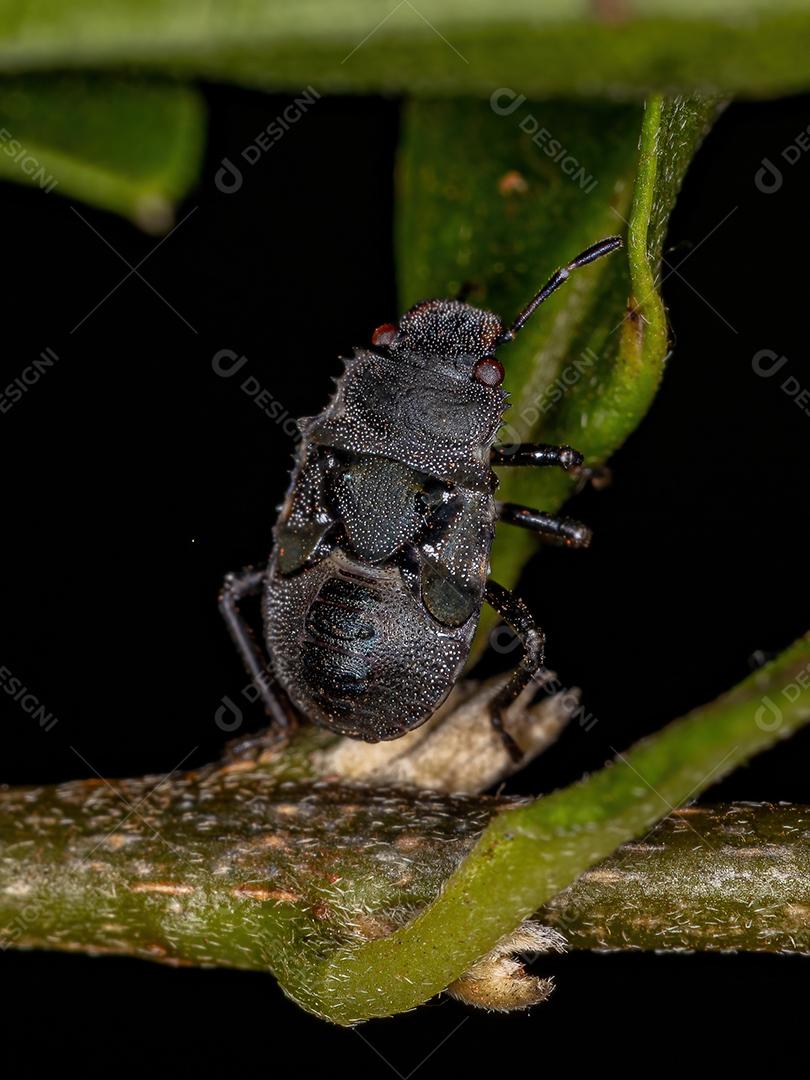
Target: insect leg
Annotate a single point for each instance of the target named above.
(248, 582)
(536, 454)
(514, 612)
(565, 457)
(554, 530)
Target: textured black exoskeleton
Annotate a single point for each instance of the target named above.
(375, 584)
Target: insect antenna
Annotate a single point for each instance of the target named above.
(595, 251)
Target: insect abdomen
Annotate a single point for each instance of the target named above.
(339, 637)
(356, 649)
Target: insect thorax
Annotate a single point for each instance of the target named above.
(439, 425)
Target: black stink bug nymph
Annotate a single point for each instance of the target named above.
(380, 565)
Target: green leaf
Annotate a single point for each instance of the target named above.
(539, 47)
(132, 146)
(501, 201)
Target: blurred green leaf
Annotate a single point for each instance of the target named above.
(502, 199)
(132, 146)
(539, 47)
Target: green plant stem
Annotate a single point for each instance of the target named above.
(706, 878)
(709, 878)
(527, 855)
(263, 866)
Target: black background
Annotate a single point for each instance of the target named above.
(135, 477)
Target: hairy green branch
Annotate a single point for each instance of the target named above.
(365, 900)
(707, 878)
(528, 854)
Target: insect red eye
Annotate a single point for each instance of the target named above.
(489, 371)
(384, 334)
